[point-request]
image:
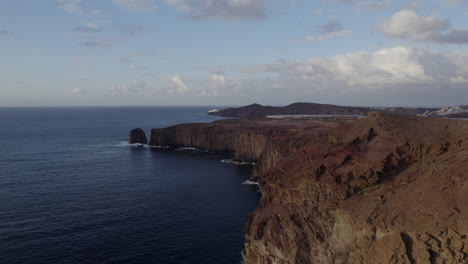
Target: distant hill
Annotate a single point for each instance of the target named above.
(257, 110)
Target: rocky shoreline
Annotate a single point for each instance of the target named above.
(382, 189)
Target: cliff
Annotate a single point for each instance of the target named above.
(383, 189)
(256, 110)
(262, 141)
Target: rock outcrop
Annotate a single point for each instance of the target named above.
(138, 136)
(383, 189)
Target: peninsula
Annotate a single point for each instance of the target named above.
(386, 188)
(257, 110)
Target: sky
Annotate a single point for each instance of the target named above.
(233, 52)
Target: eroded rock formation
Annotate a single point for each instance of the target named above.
(382, 189)
(138, 136)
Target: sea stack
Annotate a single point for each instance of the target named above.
(138, 136)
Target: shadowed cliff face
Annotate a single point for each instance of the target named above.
(383, 189)
(262, 141)
(137, 136)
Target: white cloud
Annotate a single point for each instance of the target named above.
(407, 24)
(136, 5)
(178, 86)
(372, 70)
(227, 9)
(72, 6)
(391, 76)
(220, 83)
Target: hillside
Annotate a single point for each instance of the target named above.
(256, 110)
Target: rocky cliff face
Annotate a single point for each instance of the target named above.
(138, 136)
(261, 141)
(382, 189)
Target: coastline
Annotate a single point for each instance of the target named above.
(330, 196)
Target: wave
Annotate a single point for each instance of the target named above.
(231, 161)
(186, 148)
(249, 182)
(126, 144)
(159, 147)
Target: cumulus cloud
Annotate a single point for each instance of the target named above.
(373, 70)
(177, 86)
(5, 35)
(220, 83)
(136, 5)
(407, 24)
(227, 9)
(391, 76)
(89, 27)
(72, 6)
(331, 29)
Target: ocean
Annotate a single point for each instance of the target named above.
(73, 191)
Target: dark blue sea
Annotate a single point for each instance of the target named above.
(73, 191)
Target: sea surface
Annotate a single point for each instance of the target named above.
(73, 191)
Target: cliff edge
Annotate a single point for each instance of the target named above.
(382, 189)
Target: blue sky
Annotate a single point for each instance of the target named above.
(233, 52)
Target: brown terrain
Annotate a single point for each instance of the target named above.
(382, 189)
(256, 110)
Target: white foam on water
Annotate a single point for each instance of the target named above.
(159, 147)
(125, 144)
(186, 148)
(237, 162)
(249, 182)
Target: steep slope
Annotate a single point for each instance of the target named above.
(262, 141)
(383, 189)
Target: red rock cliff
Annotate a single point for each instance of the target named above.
(383, 189)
